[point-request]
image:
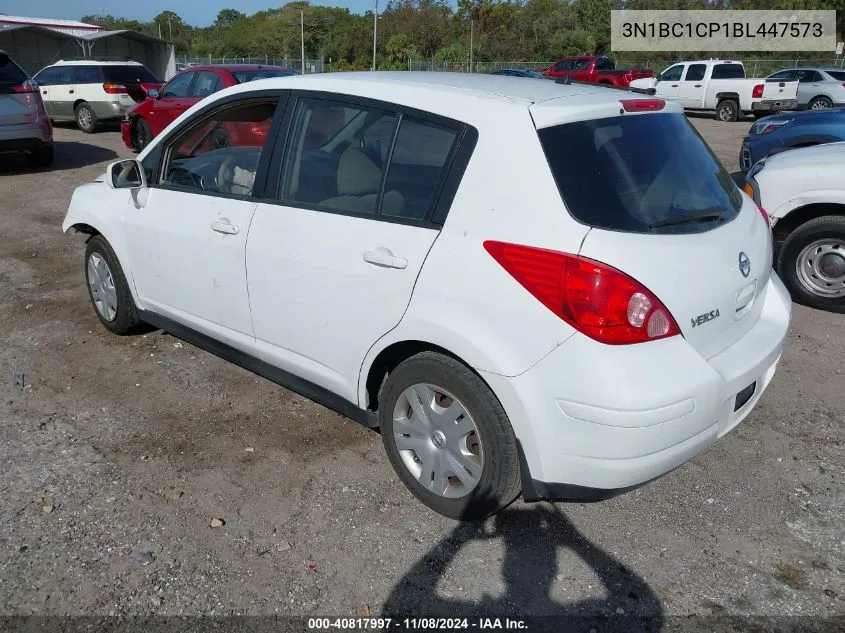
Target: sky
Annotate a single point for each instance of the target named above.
(194, 12)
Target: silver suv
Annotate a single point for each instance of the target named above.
(24, 124)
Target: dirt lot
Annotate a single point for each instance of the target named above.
(118, 453)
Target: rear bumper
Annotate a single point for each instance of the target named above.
(109, 110)
(26, 136)
(774, 106)
(595, 420)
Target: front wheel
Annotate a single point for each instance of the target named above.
(728, 110)
(142, 134)
(108, 288)
(812, 263)
(448, 437)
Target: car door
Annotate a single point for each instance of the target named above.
(174, 98)
(60, 93)
(333, 260)
(187, 234)
(691, 94)
(45, 79)
(809, 85)
(669, 84)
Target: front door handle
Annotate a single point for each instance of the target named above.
(675, 85)
(383, 257)
(698, 85)
(225, 227)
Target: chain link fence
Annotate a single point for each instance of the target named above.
(311, 65)
(753, 67)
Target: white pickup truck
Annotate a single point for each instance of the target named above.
(721, 85)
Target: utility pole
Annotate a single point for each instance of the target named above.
(170, 28)
(302, 37)
(375, 31)
(471, 33)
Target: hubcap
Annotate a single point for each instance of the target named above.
(820, 105)
(821, 268)
(84, 117)
(725, 112)
(101, 284)
(438, 441)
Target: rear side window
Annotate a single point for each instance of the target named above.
(728, 71)
(252, 75)
(640, 173)
(837, 74)
(695, 72)
(10, 74)
(130, 73)
(87, 75)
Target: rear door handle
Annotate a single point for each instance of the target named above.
(225, 227)
(675, 85)
(698, 85)
(70, 92)
(383, 257)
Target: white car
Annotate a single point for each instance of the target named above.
(91, 92)
(528, 287)
(818, 88)
(721, 85)
(803, 191)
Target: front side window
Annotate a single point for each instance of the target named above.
(673, 73)
(581, 64)
(784, 75)
(46, 77)
(219, 154)
(565, 64)
(179, 87)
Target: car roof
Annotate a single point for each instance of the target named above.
(235, 67)
(94, 62)
(498, 88)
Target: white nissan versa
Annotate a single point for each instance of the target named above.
(370, 240)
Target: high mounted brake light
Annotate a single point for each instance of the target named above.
(642, 105)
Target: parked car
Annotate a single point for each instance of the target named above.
(721, 85)
(24, 124)
(91, 91)
(594, 69)
(818, 88)
(518, 72)
(790, 130)
(503, 337)
(803, 192)
(146, 120)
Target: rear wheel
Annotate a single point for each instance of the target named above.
(820, 103)
(812, 263)
(141, 134)
(448, 437)
(86, 119)
(728, 110)
(42, 157)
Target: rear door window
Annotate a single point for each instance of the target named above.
(640, 173)
(87, 75)
(728, 71)
(129, 74)
(695, 72)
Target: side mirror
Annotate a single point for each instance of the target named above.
(125, 174)
(154, 93)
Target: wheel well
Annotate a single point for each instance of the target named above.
(727, 95)
(77, 102)
(390, 358)
(799, 216)
(87, 229)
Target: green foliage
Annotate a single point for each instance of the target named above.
(502, 30)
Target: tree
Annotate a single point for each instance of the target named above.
(227, 17)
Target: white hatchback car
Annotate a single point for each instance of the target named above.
(528, 287)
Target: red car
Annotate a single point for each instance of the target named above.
(146, 120)
(595, 69)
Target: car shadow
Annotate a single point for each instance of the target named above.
(532, 537)
(69, 155)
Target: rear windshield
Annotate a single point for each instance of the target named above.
(129, 74)
(243, 76)
(648, 173)
(10, 74)
(839, 75)
(728, 71)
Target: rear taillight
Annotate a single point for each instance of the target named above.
(642, 105)
(597, 300)
(757, 92)
(115, 89)
(25, 87)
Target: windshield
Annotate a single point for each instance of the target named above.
(243, 76)
(640, 173)
(129, 73)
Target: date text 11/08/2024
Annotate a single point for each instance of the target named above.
(415, 624)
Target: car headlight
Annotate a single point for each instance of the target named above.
(767, 127)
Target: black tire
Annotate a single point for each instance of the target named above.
(43, 156)
(830, 229)
(86, 119)
(125, 319)
(820, 103)
(141, 134)
(499, 483)
(727, 110)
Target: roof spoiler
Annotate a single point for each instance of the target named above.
(567, 81)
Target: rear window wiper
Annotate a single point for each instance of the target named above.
(710, 215)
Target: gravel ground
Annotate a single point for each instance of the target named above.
(143, 476)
